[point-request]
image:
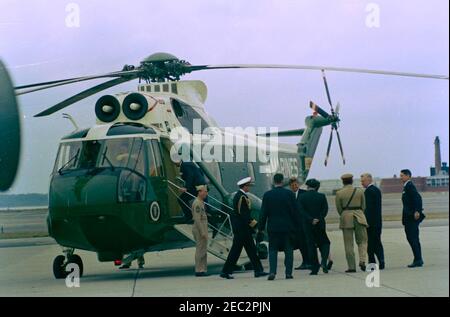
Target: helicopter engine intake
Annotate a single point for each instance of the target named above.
(135, 106)
(107, 108)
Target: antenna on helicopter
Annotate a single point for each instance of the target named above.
(71, 119)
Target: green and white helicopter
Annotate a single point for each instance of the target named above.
(114, 187)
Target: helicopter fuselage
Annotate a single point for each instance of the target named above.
(112, 188)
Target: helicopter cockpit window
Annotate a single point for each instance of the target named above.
(186, 115)
(89, 154)
(68, 156)
(124, 152)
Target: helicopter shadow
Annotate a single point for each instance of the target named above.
(151, 273)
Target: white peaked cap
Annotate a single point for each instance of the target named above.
(244, 181)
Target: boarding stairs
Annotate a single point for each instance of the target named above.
(220, 235)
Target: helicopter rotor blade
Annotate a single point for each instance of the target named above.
(318, 68)
(56, 83)
(84, 94)
(9, 131)
(329, 147)
(338, 107)
(327, 90)
(340, 145)
(318, 109)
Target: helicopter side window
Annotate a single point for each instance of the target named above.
(186, 115)
(152, 170)
(158, 158)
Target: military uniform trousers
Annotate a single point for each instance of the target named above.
(201, 244)
(354, 231)
(242, 240)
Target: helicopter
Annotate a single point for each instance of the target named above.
(114, 186)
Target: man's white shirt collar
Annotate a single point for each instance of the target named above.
(242, 191)
(406, 182)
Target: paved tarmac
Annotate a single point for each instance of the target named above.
(25, 270)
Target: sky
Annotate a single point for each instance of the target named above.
(388, 123)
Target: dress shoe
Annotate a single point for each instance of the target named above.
(350, 271)
(315, 270)
(304, 266)
(330, 265)
(289, 277)
(416, 264)
(226, 276)
(325, 269)
(382, 266)
(259, 274)
(125, 267)
(201, 274)
(362, 265)
(271, 277)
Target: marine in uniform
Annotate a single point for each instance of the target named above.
(412, 216)
(200, 231)
(314, 208)
(350, 204)
(243, 229)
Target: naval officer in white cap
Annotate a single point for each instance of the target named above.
(243, 228)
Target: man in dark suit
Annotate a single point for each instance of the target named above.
(243, 229)
(412, 216)
(374, 219)
(278, 211)
(314, 208)
(300, 242)
(193, 177)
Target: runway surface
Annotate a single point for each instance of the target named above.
(25, 270)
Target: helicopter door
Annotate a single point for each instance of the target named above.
(155, 171)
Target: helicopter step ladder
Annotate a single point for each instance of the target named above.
(220, 239)
(218, 246)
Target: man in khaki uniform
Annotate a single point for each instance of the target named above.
(200, 231)
(350, 204)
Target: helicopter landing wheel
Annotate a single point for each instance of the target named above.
(59, 267)
(60, 264)
(76, 259)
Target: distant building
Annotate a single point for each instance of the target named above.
(438, 181)
(439, 168)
